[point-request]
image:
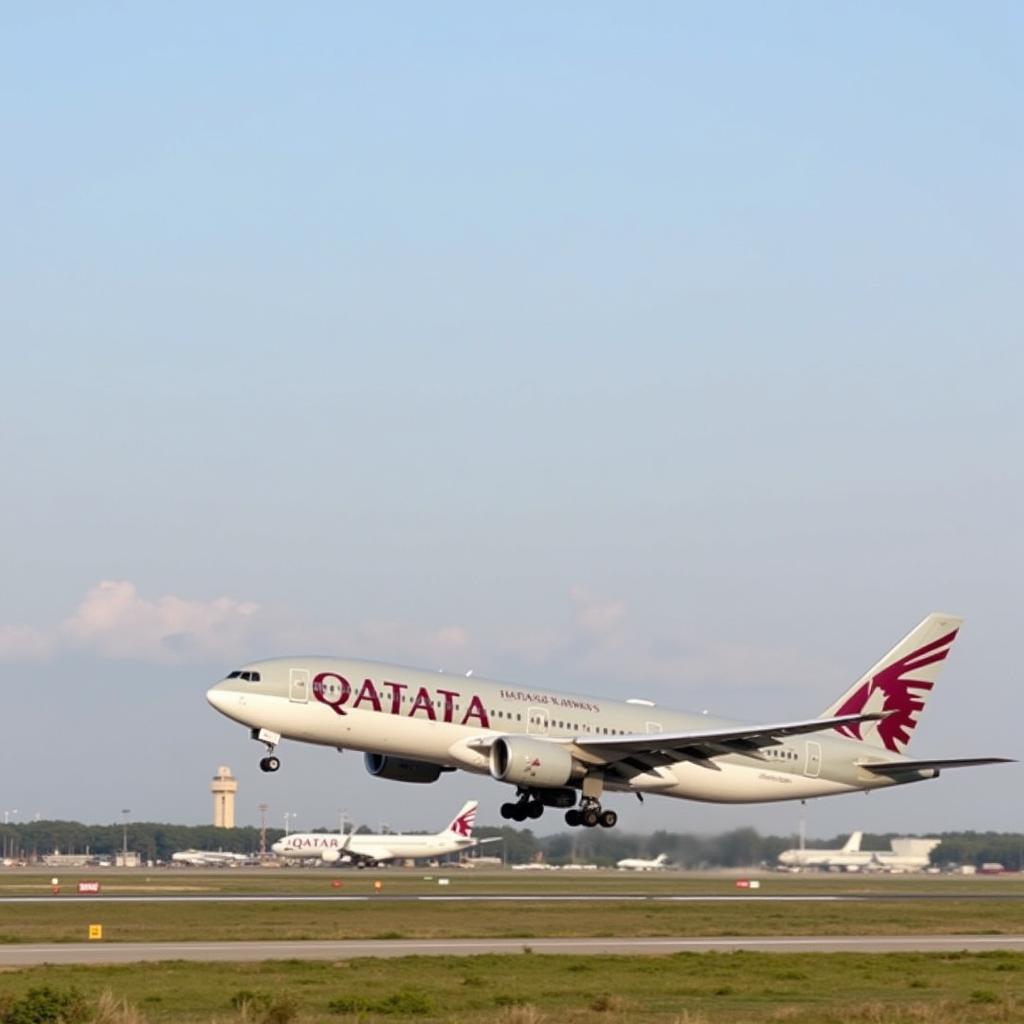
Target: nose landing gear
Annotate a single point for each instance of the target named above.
(269, 740)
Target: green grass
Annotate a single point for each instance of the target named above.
(15, 882)
(66, 917)
(732, 988)
(68, 922)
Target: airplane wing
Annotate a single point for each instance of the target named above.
(640, 753)
(373, 853)
(899, 767)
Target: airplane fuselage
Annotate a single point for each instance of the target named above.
(450, 720)
(323, 846)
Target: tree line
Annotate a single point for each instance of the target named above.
(742, 847)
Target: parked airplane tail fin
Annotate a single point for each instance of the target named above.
(462, 823)
(852, 845)
(898, 686)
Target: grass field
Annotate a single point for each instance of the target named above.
(520, 988)
(66, 917)
(68, 922)
(688, 988)
(229, 881)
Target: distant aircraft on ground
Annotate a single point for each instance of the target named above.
(639, 864)
(370, 848)
(557, 748)
(904, 855)
(211, 858)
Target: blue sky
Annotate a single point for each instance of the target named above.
(668, 351)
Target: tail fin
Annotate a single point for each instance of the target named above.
(662, 858)
(852, 845)
(462, 823)
(898, 685)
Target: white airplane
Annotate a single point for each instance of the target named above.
(904, 855)
(557, 748)
(331, 848)
(849, 856)
(210, 858)
(639, 864)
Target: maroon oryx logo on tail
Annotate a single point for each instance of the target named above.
(893, 690)
(463, 824)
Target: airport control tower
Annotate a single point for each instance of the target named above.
(224, 787)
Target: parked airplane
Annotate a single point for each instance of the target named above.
(210, 858)
(556, 748)
(639, 864)
(903, 855)
(331, 848)
(850, 856)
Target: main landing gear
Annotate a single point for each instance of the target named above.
(269, 740)
(589, 814)
(527, 806)
(530, 803)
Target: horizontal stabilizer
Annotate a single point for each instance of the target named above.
(901, 767)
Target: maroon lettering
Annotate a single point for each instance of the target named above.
(423, 703)
(396, 696)
(367, 692)
(333, 690)
(449, 703)
(476, 710)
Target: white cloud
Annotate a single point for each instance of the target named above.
(595, 641)
(24, 643)
(117, 622)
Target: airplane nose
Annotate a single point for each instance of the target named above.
(217, 698)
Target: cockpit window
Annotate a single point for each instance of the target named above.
(249, 677)
(234, 675)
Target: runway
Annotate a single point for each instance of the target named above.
(131, 952)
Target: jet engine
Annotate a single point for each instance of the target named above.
(401, 769)
(330, 856)
(530, 762)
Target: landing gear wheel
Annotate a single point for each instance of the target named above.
(519, 812)
(508, 811)
(534, 809)
(270, 764)
(608, 819)
(589, 817)
(572, 817)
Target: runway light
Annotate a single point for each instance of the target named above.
(335, 884)
(378, 885)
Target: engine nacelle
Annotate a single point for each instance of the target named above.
(529, 762)
(401, 769)
(330, 856)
